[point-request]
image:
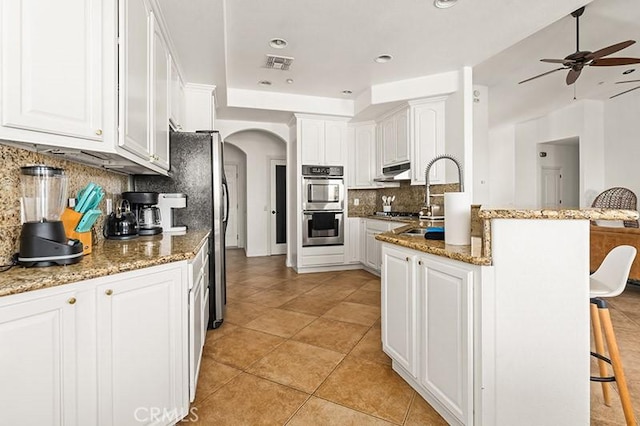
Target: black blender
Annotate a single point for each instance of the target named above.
(43, 241)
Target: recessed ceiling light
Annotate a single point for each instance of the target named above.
(264, 83)
(347, 92)
(289, 81)
(629, 71)
(443, 4)
(278, 43)
(383, 58)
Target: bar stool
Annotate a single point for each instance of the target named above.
(609, 281)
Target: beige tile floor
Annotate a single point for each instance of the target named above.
(303, 350)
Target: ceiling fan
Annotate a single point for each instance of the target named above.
(626, 91)
(575, 62)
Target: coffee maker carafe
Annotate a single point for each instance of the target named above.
(43, 241)
(147, 213)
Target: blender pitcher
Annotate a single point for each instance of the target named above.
(43, 241)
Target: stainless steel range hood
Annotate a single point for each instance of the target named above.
(399, 172)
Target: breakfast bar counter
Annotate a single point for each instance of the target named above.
(484, 331)
(108, 257)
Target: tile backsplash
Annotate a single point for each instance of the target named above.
(409, 198)
(13, 158)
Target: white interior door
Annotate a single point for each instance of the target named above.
(550, 188)
(278, 210)
(231, 172)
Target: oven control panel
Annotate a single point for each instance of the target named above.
(322, 170)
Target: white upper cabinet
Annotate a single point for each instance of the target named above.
(176, 94)
(160, 99)
(394, 138)
(199, 105)
(322, 142)
(361, 154)
(427, 140)
(135, 34)
(52, 86)
(144, 84)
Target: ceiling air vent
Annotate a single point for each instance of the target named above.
(278, 62)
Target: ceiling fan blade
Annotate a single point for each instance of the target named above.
(612, 62)
(555, 61)
(626, 91)
(628, 81)
(610, 49)
(572, 76)
(541, 75)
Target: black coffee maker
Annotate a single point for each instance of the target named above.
(143, 204)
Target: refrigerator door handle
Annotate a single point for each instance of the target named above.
(225, 195)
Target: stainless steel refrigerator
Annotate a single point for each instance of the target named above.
(197, 170)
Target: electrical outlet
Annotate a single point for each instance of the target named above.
(356, 201)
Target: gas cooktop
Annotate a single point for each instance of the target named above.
(397, 214)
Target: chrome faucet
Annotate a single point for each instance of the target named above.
(428, 209)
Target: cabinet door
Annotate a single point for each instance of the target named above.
(379, 151)
(141, 326)
(402, 135)
(353, 242)
(38, 368)
(135, 40)
(312, 141)
(398, 307)
(334, 143)
(365, 158)
(372, 254)
(52, 66)
(389, 141)
(446, 350)
(175, 96)
(428, 141)
(160, 99)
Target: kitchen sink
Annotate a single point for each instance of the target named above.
(416, 232)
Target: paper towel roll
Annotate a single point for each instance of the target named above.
(457, 218)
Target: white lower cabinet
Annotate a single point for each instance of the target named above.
(38, 358)
(353, 240)
(444, 297)
(399, 308)
(371, 248)
(140, 349)
(107, 351)
(427, 328)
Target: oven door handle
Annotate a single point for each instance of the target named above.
(311, 212)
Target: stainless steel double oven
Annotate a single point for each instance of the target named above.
(322, 205)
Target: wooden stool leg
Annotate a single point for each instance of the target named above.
(599, 343)
(616, 362)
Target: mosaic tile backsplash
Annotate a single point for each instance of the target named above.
(79, 175)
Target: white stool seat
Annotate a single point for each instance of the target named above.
(611, 277)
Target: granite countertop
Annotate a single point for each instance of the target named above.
(468, 254)
(586, 213)
(401, 219)
(107, 258)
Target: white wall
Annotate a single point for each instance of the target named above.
(259, 147)
(233, 155)
(502, 160)
(583, 120)
(622, 142)
(481, 157)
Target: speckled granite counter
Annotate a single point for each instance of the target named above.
(586, 213)
(107, 258)
(401, 219)
(469, 254)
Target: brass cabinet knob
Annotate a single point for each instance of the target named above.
(108, 292)
(72, 300)
(99, 132)
(406, 258)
